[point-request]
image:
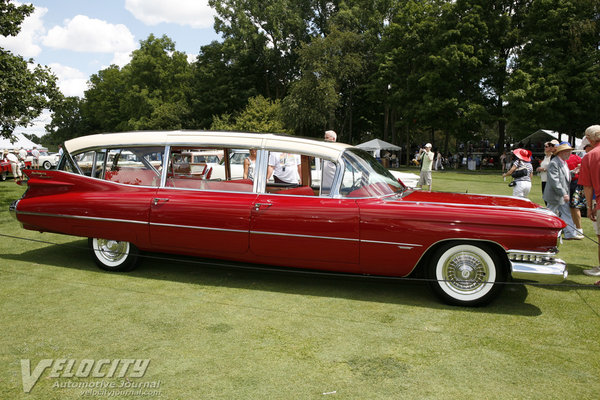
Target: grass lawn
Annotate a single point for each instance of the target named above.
(223, 333)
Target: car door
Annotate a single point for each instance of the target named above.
(306, 231)
(201, 222)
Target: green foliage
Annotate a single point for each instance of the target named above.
(12, 16)
(260, 115)
(24, 92)
(67, 122)
(558, 69)
(222, 82)
(151, 92)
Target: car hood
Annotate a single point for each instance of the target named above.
(469, 199)
(477, 209)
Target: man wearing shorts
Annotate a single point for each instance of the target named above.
(589, 178)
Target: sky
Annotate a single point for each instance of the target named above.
(78, 38)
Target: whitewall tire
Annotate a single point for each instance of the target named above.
(113, 255)
(466, 274)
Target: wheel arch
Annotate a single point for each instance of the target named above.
(420, 269)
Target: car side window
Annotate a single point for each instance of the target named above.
(322, 175)
(86, 161)
(205, 168)
(292, 174)
(140, 166)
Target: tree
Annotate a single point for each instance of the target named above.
(556, 83)
(24, 92)
(266, 33)
(151, 92)
(67, 121)
(260, 115)
(102, 101)
(157, 84)
(333, 70)
(403, 58)
(220, 83)
(504, 22)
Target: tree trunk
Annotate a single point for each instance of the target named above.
(501, 136)
(386, 113)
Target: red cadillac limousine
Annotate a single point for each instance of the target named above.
(299, 203)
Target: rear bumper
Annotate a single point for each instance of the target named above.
(13, 208)
(537, 267)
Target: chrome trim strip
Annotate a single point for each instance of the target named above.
(165, 166)
(305, 236)
(130, 221)
(202, 228)
(535, 253)
(405, 245)
(260, 171)
(484, 206)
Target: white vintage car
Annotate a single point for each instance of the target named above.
(408, 178)
(46, 160)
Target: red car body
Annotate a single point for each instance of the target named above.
(5, 169)
(374, 227)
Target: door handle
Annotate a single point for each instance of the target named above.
(156, 200)
(258, 205)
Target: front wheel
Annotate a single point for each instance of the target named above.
(47, 165)
(466, 274)
(3, 175)
(113, 255)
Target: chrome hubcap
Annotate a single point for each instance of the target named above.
(112, 250)
(465, 271)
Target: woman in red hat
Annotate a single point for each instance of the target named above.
(522, 170)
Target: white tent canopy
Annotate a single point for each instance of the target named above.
(544, 135)
(17, 141)
(377, 144)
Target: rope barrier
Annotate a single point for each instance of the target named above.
(219, 263)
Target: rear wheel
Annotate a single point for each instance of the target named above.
(113, 255)
(466, 274)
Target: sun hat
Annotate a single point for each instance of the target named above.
(428, 145)
(562, 147)
(522, 154)
(553, 142)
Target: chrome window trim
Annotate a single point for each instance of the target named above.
(165, 166)
(260, 171)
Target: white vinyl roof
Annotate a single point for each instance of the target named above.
(231, 140)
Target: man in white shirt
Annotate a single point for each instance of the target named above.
(36, 158)
(426, 158)
(14, 164)
(284, 167)
(328, 167)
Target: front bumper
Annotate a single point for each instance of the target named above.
(537, 267)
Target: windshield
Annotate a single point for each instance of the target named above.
(364, 176)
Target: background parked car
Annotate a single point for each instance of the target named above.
(47, 160)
